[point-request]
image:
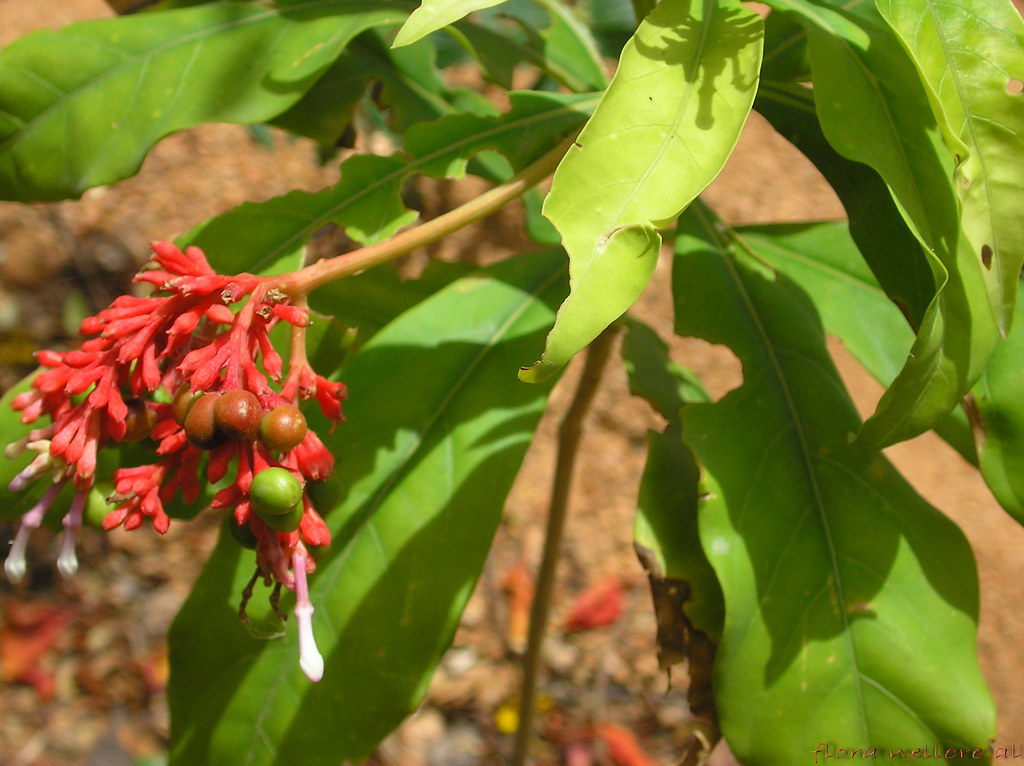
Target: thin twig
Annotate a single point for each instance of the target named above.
(568, 446)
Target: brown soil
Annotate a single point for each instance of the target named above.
(106, 668)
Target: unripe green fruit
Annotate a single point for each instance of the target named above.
(138, 422)
(283, 428)
(200, 426)
(287, 522)
(182, 403)
(274, 492)
(237, 414)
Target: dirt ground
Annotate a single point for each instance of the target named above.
(94, 693)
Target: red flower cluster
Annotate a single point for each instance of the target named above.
(118, 386)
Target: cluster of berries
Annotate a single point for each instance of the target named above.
(210, 420)
(219, 362)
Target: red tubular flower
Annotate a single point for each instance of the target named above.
(184, 337)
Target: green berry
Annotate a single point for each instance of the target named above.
(288, 522)
(283, 428)
(275, 492)
(237, 414)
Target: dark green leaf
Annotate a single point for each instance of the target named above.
(873, 109)
(135, 79)
(823, 260)
(885, 241)
(325, 111)
(785, 51)
(998, 396)
(436, 427)
(851, 604)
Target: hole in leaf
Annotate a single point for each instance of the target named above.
(1014, 86)
(986, 256)
(719, 369)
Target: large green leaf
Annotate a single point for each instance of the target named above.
(661, 133)
(1000, 403)
(823, 260)
(850, 603)
(969, 56)
(135, 79)
(437, 425)
(874, 109)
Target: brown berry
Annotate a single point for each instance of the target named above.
(182, 403)
(237, 414)
(138, 422)
(200, 426)
(283, 428)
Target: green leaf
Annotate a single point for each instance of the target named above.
(878, 228)
(436, 428)
(1001, 410)
(661, 133)
(823, 260)
(555, 43)
(12, 430)
(135, 79)
(969, 57)
(370, 300)
(570, 48)
(326, 109)
(850, 603)
(612, 23)
(432, 15)
(785, 51)
(873, 109)
(653, 376)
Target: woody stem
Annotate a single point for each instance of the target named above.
(569, 434)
